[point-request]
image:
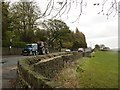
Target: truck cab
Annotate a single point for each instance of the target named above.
(30, 49)
(35, 49)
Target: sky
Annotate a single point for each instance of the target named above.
(96, 27)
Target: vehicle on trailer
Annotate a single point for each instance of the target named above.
(39, 48)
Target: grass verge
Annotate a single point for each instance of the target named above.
(100, 71)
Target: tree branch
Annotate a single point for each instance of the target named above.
(60, 9)
(67, 4)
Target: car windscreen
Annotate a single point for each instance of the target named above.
(29, 46)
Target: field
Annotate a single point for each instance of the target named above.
(100, 71)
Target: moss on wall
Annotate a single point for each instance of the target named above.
(38, 72)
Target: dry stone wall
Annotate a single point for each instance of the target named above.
(38, 72)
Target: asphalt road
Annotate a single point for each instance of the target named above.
(8, 70)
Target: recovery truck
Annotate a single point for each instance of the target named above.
(35, 49)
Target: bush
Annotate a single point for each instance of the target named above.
(6, 43)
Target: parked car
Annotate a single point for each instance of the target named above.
(80, 50)
(67, 50)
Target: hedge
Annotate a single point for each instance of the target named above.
(6, 43)
(19, 44)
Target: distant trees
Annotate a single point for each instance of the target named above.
(97, 47)
(60, 36)
(24, 17)
(20, 23)
(57, 31)
(101, 47)
(79, 40)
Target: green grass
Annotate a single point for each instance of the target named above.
(100, 71)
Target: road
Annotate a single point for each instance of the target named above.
(8, 70)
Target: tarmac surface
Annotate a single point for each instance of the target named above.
(8, 69)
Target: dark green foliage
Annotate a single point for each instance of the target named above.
(6, 43)
(79, 40)
(97, 47)
(19, 44)
(76, 45)
(57, 32)
(41, 35)
(20, 24)
(23, 17)
(61, 37)
(5, 18)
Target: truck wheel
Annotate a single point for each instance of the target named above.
(46, 51)
(43, 51)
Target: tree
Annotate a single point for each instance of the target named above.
(60, 36)
(57, 31)
(40, 35)
(5, 18)
(25, 16)
(97, 47)
(21, 22)
(102, 46)
(68, 40)
(79, 40)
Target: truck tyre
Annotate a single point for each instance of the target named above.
(43, 51)
(46, 51)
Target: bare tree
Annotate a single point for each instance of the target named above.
(62, 7)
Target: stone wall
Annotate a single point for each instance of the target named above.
(13, 51)
(38, 72)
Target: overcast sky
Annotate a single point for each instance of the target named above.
(97, 28)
